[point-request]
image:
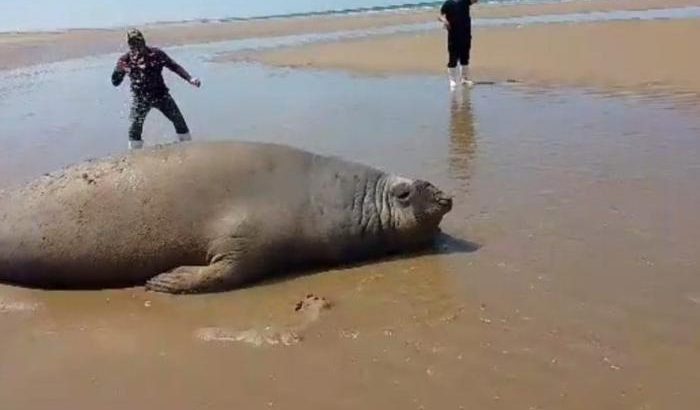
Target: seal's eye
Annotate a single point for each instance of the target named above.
(402, 192)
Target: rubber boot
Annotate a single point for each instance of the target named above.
(465, 76)
(453, 75)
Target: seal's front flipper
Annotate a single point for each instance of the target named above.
(219, 275)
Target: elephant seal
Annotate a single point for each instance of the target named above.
(201, 217)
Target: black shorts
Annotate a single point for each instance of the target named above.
(459, 46)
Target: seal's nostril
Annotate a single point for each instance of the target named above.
(440, 196)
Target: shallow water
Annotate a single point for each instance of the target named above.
(582, 292)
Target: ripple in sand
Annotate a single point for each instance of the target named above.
(9, 306)
(267, 336)
(694, 298)
(309, 309)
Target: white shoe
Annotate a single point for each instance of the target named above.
(184, 137)
(465, 77)
(453, 75)
(135, 144)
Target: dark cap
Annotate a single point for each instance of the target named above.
(134, 36)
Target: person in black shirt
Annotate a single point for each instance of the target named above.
(144, 66)
(456, 17)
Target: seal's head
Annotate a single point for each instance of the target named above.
(416, 208)
(136, 40)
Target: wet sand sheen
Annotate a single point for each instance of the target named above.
(581, 294)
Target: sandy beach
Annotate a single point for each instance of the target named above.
(643, 56)
(567, 278)
(17, 50)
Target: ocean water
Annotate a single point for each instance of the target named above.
(23, 15)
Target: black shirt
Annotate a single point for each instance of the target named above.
(145, 72)
(457, 14)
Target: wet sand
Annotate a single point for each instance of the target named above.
(575, 285)
(18, 50)
(581, 289)
(647, 56)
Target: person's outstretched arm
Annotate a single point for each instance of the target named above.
(179, 70)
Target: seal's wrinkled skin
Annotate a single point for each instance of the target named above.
(207, 217)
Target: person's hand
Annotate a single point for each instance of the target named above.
(195, 82)
(122, 66)
(445, 22)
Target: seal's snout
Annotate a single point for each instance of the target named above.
(435, 202)
(444, 201)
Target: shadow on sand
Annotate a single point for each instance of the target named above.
(443, 244)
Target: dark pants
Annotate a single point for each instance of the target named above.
(459, 46)
(140, 107)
